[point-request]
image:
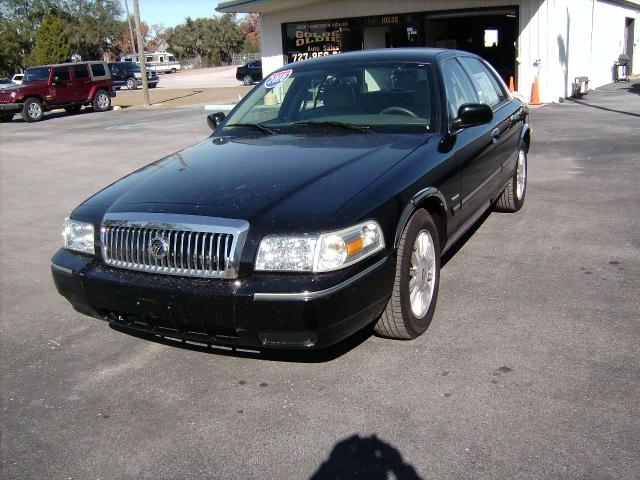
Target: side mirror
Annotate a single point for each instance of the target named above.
(472, 114)
(215, 119)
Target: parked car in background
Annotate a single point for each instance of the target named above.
(5, 83)
(17, 78)
(66, 85)
(159, 62)
(250, 73)
(129, 74)
(322, 203)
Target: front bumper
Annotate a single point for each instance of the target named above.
(10, 107)
(260, 311)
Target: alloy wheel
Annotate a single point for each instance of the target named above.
(103, 101)
(422, 274)
(521, 174)
(34, 110)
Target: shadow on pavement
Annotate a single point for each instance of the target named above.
(635, 88)
(365, 457)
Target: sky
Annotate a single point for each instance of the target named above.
(171, 13)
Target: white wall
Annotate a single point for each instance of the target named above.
(608, 40)
(555, 41)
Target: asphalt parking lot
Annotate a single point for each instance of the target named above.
(530, 369)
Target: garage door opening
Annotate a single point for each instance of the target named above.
(492, 34)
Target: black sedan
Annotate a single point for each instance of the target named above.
(250, 73)
(322, 203)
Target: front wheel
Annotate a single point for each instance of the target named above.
(173, 70)
(512, 197)
(131, 84)
(247, 80)
(32, 110)
(415, 289)
(101, 101)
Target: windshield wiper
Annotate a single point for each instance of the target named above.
(255, 126)
(346, 126)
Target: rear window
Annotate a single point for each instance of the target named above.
(98, 70)
(81, 71)
(36, 74)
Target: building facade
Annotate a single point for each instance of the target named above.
(553, 40)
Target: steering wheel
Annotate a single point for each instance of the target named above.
(406, 111)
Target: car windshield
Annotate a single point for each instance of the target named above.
(381, 96)
(132, 67)
(36, 74)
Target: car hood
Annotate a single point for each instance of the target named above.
(269, 176)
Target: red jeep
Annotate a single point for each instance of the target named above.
(67, 85)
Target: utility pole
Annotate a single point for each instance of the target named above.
(133, 42)
(143, 63)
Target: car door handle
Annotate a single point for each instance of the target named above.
(495, 134)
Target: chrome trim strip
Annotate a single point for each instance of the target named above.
(68, 271)
(306, 296)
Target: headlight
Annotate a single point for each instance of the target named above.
(13, 94)
(137, 75)
(78, 236)
(319, 253)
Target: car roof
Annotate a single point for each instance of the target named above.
(427, 55)
(68, 64)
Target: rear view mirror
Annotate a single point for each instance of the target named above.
(214, 119)
(472, 114)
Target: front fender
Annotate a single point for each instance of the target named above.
(414, 203)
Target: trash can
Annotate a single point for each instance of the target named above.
(621, 69)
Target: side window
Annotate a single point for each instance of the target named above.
(97, 69)
(458, 86)
(489, 89)
(62, 73)
(80, 71)
(172, 58)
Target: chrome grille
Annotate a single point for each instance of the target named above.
(173, 244)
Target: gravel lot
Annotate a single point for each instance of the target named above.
(530, 369)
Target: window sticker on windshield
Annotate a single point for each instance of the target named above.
(277, 78)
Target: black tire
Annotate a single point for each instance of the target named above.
(247, 80)
(512, 198)
(32, 110)
(398, 319)
(153, 85)
(73, 109)
(6, 117)
(132, 84)
(173, 70)
(101, 101)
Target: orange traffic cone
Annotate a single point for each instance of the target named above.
(512, 88)
(535, 94)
